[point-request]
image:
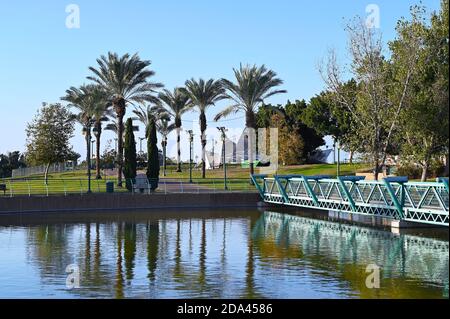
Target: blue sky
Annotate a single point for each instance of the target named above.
(40, 57)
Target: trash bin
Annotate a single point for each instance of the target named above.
(110, 187)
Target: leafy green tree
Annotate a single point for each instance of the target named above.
(10, 162)
(328, 119)
(311, 139)
(204, 94)
(130, 165)
(125, 79)
(290, 146)
(380, 97)
(264, 116)
(175, 104)
(253, 85)
(48, 136)
(108, 157)
(425, 122)
(153, 154)
(296, 140)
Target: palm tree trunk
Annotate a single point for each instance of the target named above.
(164, 146)
(250, 123)
(203, 156)
(88, 156)
(203, 141)
(119, 107)
(97, 155)
(178, 151)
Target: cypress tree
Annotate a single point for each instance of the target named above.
(130, 164)
(153, 156)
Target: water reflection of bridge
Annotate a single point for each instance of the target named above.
(392, 198)
(402, 255)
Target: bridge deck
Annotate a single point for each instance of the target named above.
(394, 198)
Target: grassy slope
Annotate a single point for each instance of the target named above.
(76, 181)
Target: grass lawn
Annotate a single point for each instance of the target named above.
(238, 179)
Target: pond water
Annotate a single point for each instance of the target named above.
(215, 254)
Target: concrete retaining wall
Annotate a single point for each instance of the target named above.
(126, 202)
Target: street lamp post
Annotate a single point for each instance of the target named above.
(213, 154)
(191, 140)
(223, 131)
(92, 152)
(338, 168)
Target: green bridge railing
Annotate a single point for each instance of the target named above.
(393, 197)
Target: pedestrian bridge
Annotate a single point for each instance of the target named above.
(393, 197)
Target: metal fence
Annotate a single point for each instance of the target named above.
(69, 186)
(54, 168)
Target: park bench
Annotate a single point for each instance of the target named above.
(141, 184)
(3, 188)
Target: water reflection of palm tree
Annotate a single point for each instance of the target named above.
(129, 249)
(250, 291)
(202, 257)
(87, 254)
(178, 270)
(97, 253)
(152, 248)
(119, 273)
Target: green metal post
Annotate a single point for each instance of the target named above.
(444, 180)
(224, 167)
(347, 193)
(260, 189)
(191, 139)
(391, 192)
(223, 130)
(282, 189)
(338, 159)
(310, 191)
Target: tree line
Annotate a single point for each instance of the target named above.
(392, 102)
(122, 81)
(396, 100)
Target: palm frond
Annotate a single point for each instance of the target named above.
(252, 86)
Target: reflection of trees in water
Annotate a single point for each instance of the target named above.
(202, 259)
(129, 249)
(345, 250)
(119, 271)
(178, 255)
(250, 266)
(152, 248)
(50, 249)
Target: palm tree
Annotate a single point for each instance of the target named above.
(164, 128)
(125, 79)
(86, 99)
(101, 113)
(176, 103)
(162, 118)
(114, 126)
(253, 85)
(203, 95)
